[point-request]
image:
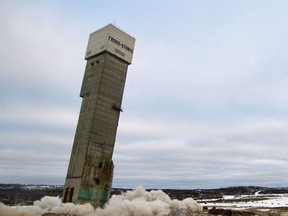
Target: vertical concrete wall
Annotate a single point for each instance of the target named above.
(90, 170)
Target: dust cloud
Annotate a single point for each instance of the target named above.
(138, 202)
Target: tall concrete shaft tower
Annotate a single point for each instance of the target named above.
(90, 171)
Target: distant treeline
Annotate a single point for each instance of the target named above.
(11, 194)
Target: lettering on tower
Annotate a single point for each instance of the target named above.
(110, 39)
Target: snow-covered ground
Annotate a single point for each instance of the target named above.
(41, 187)
(257, 200)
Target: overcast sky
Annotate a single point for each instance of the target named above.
(205, 103)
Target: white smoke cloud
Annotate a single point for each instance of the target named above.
(5, 210)
(138, 202)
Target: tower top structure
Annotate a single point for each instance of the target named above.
(113, 40)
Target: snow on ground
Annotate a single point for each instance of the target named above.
(248, 201)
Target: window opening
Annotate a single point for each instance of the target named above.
(97, 181)
(100, 165)
(71, 195)
(65, 195)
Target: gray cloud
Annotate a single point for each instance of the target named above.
(243, 152)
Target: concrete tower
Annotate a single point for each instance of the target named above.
(90, 171)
